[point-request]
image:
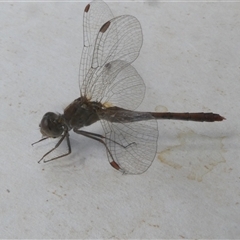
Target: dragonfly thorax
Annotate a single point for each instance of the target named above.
(81, 112)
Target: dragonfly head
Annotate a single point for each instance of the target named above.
(51, 125)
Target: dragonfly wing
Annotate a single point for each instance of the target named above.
(125, 88)
(118, 85)
(95, 15)
(117, 45)
(133, 145)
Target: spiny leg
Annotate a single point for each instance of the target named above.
(65, 135)
(102, 137)
(40, 140)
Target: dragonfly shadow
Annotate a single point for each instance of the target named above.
(83, 148)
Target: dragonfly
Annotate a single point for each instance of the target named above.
(110, 91)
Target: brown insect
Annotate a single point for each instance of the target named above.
(111, 89)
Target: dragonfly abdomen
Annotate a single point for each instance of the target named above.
(198, 116)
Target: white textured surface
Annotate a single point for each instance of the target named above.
(189, 61)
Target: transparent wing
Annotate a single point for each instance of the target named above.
(95, 15)
(110, 46)
(121, 86)
(126, 90)
(117, 45)
(137, 144)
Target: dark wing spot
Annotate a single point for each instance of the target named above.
(105, 26)
(87, 8)
(108, 66)
(115, 165)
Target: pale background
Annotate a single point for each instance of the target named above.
(190, 61)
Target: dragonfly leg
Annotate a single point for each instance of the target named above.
(40, 140)
(65, 135)
(102, 137)
(99, 138)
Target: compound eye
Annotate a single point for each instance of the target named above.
(50, 125)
